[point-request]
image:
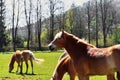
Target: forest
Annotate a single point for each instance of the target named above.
(96, 21)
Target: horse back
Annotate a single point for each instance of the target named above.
(107, 62)
(18, 56)
(27, 54)
(104, 52)
(116, 54)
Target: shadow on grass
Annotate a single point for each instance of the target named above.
(28, 74)
(5, 78)
(23, 74)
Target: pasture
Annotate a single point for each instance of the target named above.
(42, 71)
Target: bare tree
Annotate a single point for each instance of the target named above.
(15, 27)
(96, 5)
(103, 15)
(89, 20)
(39, 23)
(104, 8)
(28, 20)
(61, 16)
(53, 8)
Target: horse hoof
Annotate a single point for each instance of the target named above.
(9, 71)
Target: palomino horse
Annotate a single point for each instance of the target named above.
(88, 60)
(64, 65)
(19, 57)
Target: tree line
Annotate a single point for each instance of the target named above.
(96, 21)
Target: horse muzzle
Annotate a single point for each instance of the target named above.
(51, 47)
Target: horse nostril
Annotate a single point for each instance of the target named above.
(51, 47)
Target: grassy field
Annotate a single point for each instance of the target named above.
(42, 71)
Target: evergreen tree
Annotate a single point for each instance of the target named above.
(3, 35)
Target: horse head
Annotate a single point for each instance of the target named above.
(11, 64)
(58, 41)
(11, 67)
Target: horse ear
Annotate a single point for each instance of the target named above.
(63, 33)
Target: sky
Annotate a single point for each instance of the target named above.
(67, 5)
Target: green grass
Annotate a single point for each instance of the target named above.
(42, 71)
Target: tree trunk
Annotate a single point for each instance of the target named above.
(96, 24)
(104, 15)
(51, 27)
(89, 20)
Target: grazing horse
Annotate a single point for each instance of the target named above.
(88, 60)
(19, 57)
(64, 65)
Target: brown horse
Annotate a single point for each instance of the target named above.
(88, 60)
(19, 57)
(64, 65)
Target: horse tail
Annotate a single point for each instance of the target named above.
(38, 61)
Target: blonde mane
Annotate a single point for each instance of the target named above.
(78, 39)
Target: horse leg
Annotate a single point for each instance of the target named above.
(72, 77)
(83, 77)
(110, 77)
(21, 67)
(26, 62)
(72, 74)
(32, 66)
(18, 68)
(118, 75)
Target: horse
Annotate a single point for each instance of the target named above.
(62, 56)
(19, 57)
(64, 65)
(88, 60)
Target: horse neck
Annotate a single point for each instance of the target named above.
(12, 60)
(58, 75)
(60, 70)
(75, 48)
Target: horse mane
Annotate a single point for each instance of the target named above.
(78, 40)
(12, 59)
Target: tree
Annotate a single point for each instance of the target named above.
(53, 8)
(70, 19)
(105, 6)
(28, 20)
(90, 16)
(61, 16)
(14, 27)
(96, 6)
(39, 23)
(3, 35)
(89, 20)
